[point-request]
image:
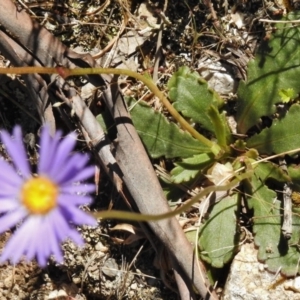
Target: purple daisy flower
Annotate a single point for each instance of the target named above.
(44, 206)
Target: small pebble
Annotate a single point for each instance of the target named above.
(110, 268)
(76, 280)
(100, 247)
(57, 295)
(131, 294)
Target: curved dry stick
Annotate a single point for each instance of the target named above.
(148, 195)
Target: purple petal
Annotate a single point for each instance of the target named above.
(34, 226)
(45, 150)
(58, 255)
(86, 173)
(52, 243)
(13, 250)
(76, 237)
(8, 191)
(10, 219)
(8, 204)
(9, 175)
(62, 154)
(75, 200)
(63, 229)
(74, 164)
(60, 226)
(44, 241)
(42, 254)
(18, 243)
(35, 237)
(15, 148)
(40, 236)
(78, 188)
(77, 216)
(45, 245)
(48, 148)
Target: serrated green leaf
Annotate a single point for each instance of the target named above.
(283, 135)
(192, 97)
(240, 145)
(160, 137)
(294, 173)
(180, 174)
(221, 128)
(275, 251)
(266, 219)
(286, 95)
(266, 170)
(191, 235)
(275, 67)
(219, 235)
(172, 192)
(190, 167)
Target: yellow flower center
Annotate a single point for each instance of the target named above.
(39, 195)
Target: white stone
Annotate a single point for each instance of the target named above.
(248, 281)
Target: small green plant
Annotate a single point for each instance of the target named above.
(213, 152)
(271, 91)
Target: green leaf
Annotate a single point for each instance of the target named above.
(266, 219)
(219, 235)
(283, 135)
(190, 167)
(287, 95)
(180, 174)
(274, 250)
(192, 97)
(107, 123)
(160, 137)
(294, 173)
(275, 67)
(191, 235)
(266, 170)
(221, 128)
(172, 191)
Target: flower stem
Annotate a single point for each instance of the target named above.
(65, 72)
